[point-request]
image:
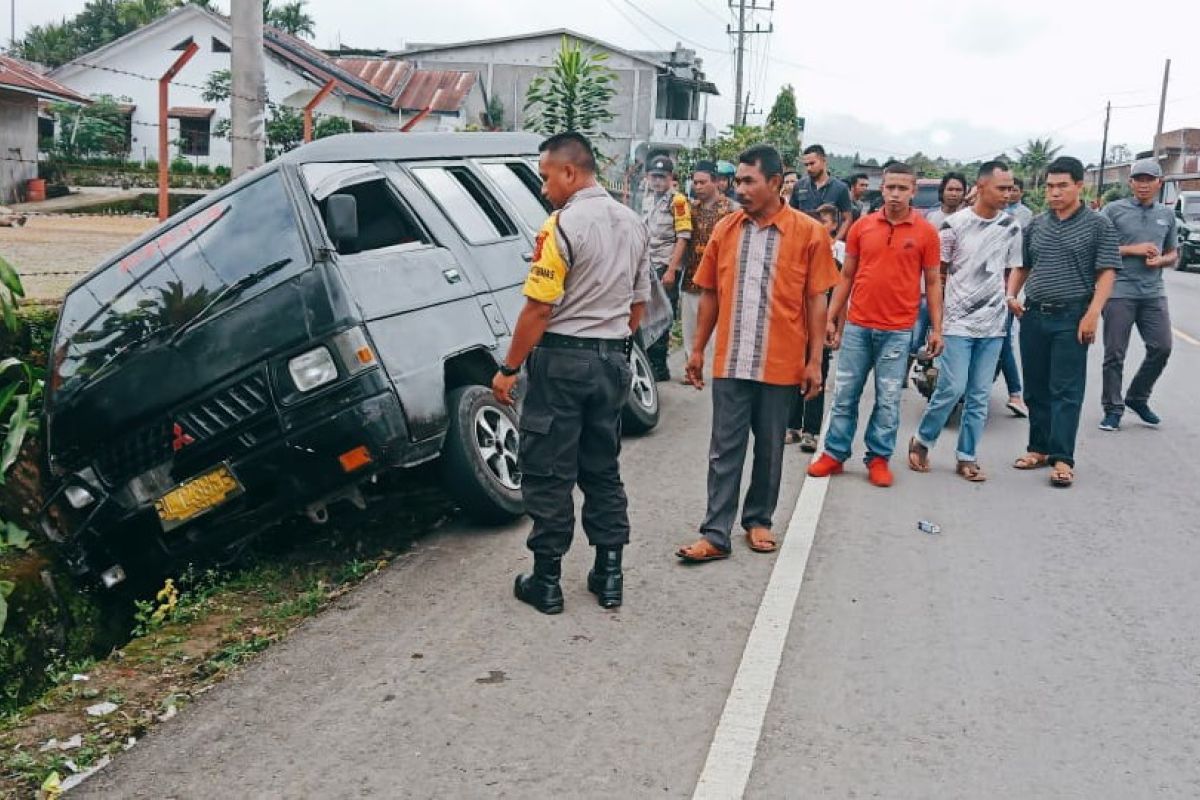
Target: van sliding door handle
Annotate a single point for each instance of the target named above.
(527, 256)
(451, 275)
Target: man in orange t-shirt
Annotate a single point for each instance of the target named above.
(886, 255)
(763, 280)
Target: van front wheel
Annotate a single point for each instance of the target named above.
(640, 414)
(479, 459)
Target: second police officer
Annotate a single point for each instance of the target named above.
(668, 216)
(585, 294)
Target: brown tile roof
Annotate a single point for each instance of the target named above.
(442, 91)
(20, 77)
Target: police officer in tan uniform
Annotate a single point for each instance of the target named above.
(668, 216)
(585, 294)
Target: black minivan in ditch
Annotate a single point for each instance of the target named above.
(336, 313)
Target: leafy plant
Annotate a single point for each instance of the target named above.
(94, 130)
(574, 96)
(150, 615)
(20, 399)
(1035, 157)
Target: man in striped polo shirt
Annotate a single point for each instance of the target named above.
(763, 279)
(1071, 262)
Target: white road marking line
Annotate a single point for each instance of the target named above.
(735, 743)
(1186, 338)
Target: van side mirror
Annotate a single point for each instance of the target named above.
(341, 218)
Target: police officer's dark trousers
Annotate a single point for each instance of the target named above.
(571, 433)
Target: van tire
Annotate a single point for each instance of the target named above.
(641, 411)
(477, 485)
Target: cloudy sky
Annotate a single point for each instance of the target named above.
(962, 79)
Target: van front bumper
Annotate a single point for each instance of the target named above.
(304, 466)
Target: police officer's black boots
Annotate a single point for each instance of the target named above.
(541, 588)
(605, 580)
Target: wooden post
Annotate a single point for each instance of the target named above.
(422, 114)
(163, 155)
(312, 104)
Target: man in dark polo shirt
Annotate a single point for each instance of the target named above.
(818, 187)
(1071, 262)
(1148, 246)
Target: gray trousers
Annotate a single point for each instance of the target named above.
(739, 408)
(571, 433)
(1153, 322)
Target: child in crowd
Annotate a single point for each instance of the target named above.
(804, 425)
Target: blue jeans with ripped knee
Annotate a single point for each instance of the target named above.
(864, 350)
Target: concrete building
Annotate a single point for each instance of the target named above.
(660, 103)
(21, 88)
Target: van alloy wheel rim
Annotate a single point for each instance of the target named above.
(643, 381)
(498, 442)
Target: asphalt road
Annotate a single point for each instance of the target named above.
(1044, 645)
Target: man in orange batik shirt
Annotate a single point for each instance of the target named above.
(763, 276)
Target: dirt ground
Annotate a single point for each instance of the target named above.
(51, 252)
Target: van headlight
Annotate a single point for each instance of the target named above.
(78, 496)
(312, 369)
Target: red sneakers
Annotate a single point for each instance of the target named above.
(825, 466)
(878, 472)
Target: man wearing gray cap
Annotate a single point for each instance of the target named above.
(1147, 232)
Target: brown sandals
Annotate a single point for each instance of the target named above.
(1032, 461)
(918, 456)
(971, 471)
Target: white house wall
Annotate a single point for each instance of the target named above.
(149, 54)
(18, 133)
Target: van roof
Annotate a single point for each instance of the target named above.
(377, 146)
(353, 147)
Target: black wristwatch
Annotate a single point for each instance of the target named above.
(508, 371)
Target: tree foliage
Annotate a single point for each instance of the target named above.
(1033, 159)
(783, 126)
(574, 96)
(290, 18)
(93, 130)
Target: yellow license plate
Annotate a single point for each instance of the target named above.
(197, 495)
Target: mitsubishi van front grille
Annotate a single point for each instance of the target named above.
(230, 408)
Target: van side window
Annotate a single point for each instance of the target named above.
(476, 214)
(382, 220)
(518, 183)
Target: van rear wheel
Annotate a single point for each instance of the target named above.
(479, 459)
(641, 409)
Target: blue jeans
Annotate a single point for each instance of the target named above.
(921, 330)
(1008, 360)
(864, 350)
(966, 369)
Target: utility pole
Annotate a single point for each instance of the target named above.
(739, 113)
(248, 86)
(1162, 106)
(1103, 152)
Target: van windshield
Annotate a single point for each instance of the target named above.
(926, 196)
(137, 301)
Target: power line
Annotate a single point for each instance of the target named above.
(671, 31)
(640, 29)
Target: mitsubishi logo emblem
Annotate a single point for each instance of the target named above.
(180, 438)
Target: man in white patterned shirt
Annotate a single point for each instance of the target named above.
(978, 244)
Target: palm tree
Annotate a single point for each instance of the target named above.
(574, 96)
(290, 18)
(1035, 157)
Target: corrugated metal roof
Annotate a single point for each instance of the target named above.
(309, 59)
(19, 77)
(385, 74)
(443, 91)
